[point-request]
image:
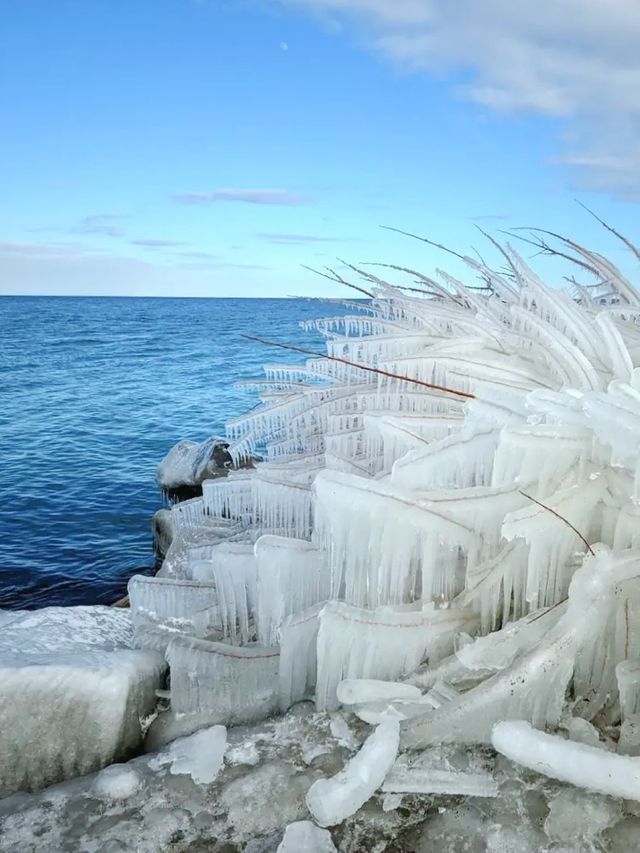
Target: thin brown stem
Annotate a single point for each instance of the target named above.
(366, 367)
(561, 517)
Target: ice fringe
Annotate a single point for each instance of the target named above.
(427, 509)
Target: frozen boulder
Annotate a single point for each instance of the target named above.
(72, 693)
(188, 463)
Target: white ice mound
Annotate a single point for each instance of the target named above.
(588, 767)
(72, 693)
(304, 837)
(118, 782)
(330, 801)
(200, 755)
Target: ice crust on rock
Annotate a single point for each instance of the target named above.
(72, 693)
(330, 801)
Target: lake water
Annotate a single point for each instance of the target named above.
(93, 393)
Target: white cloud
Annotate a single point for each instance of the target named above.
(576, 60)
(153, 243)
(249, 196)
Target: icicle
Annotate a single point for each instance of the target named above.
(162, 608)
(231, 684)
(291, 576)
(382, 644)
(298, 656)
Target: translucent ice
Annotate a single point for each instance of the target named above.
(304, 837)
(330, 801)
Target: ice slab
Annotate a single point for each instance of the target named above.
(330, 801)
(423, 775)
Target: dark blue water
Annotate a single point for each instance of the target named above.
(93, 393)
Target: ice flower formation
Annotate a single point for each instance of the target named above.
(443, 532)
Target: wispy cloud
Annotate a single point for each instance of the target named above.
(573, 60)
(220, 265)
(41, 250)
(248, 196)
(152, 243)
(104, 224)
(298, 239)
(197, 256)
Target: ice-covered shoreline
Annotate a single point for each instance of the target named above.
(441, 538)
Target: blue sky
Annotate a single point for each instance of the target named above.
(212, 148)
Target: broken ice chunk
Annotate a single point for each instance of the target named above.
(582, 731)
(304, 837)
(426, 776)
(628, 678)
(585, 766)
(330, 801)
(359, 691)
(199, 755)
(117, 782)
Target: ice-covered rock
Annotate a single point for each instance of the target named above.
(72, 693)
(188, 463)
(330, 801)
(305, 837)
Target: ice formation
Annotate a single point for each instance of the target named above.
(330, 801)
(304, 837)
(447, 503)
(582, 765)
(72, 693)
